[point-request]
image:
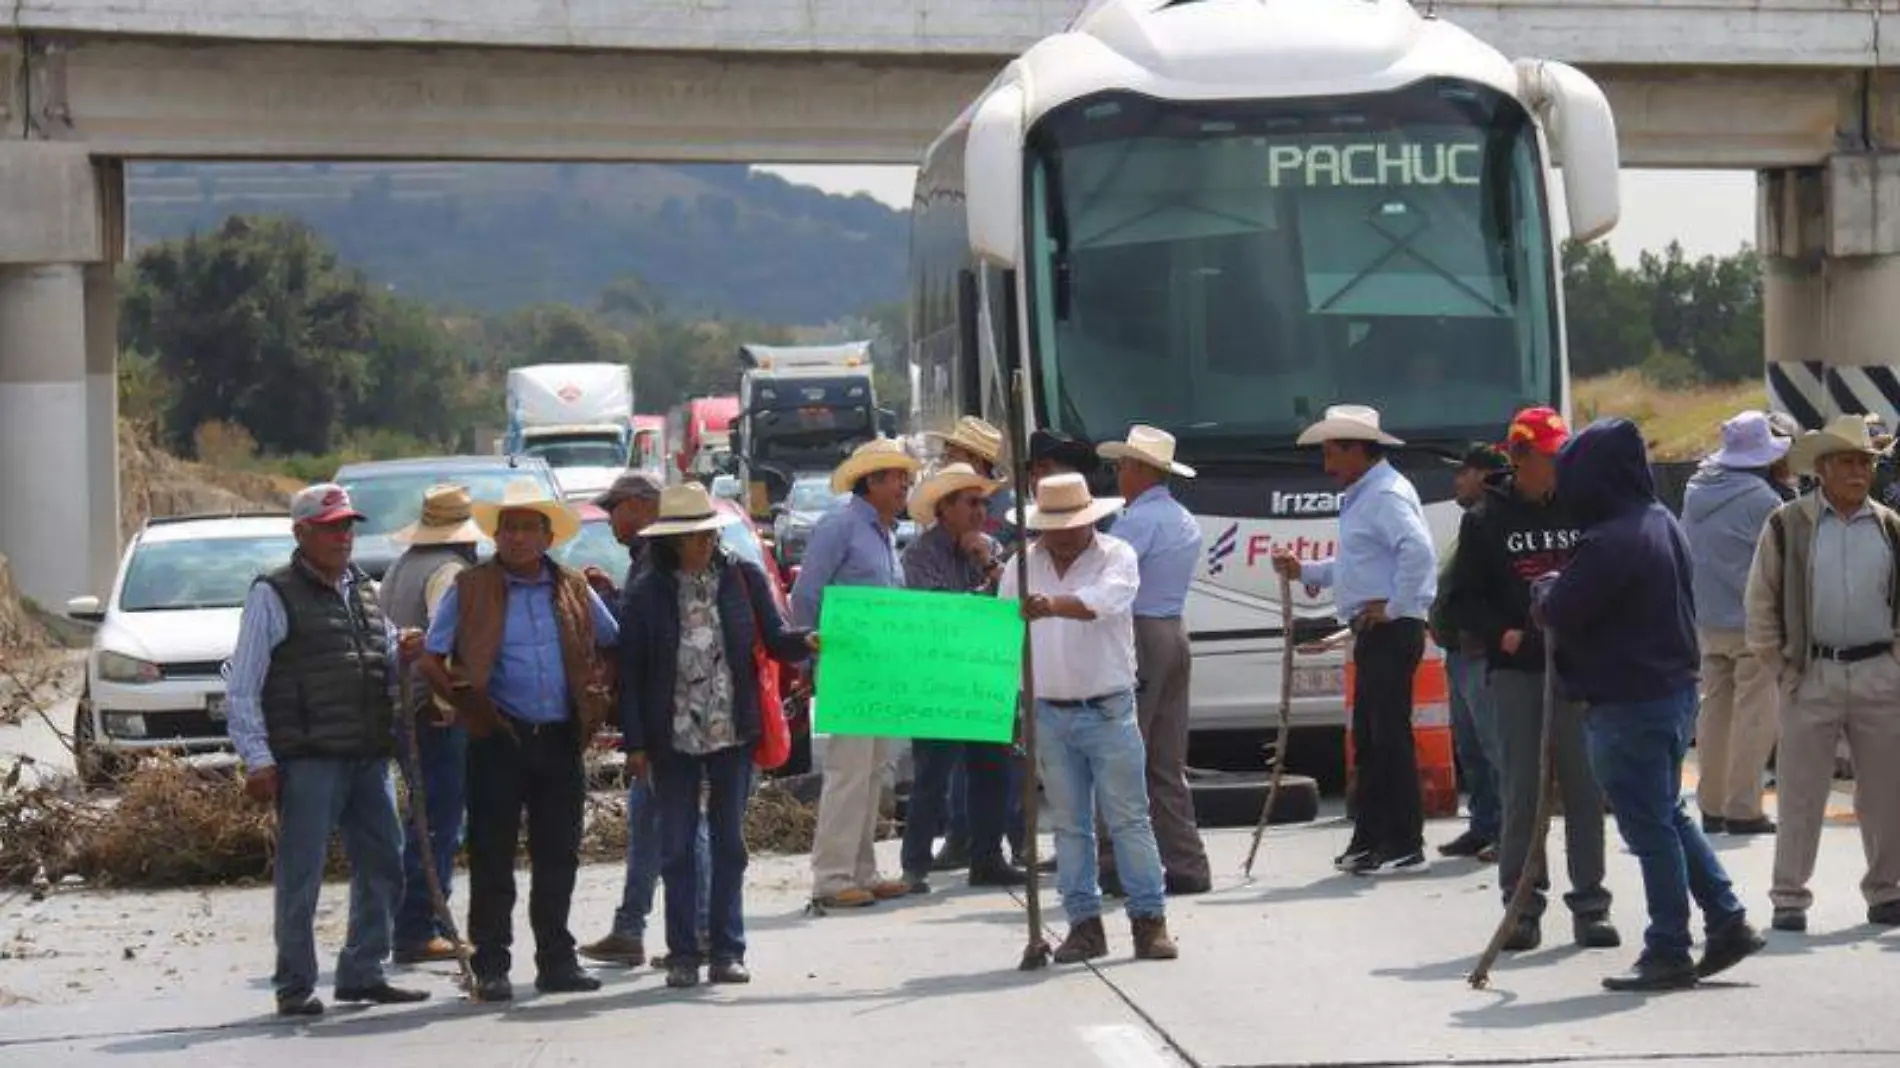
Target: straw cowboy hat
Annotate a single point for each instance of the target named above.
(1063, 502)
(975, 435)
(1348, 422)
(527, 495)
(446, 519)
(878, 454)
(1846, 433)
(1149, 446)
(956, 477)
(687, 509)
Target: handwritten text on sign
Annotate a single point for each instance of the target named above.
(911, 664)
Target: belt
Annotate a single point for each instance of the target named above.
(1085, 702)
(525, 729)
(1850, 655)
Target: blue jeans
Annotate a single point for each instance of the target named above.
(643, 863)
(677, 778)
(1637, 750)
(1092, 755)
(1474, 736)
(445, 781)
(957, 826)
(316, 796)
(986, 769)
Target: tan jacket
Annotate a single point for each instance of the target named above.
(1777, 597)
(483, 593)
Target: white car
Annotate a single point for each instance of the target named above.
(154, 676)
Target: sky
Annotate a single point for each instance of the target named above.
(1711, 212)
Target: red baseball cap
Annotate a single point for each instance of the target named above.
(325, 502)
(1541, 428)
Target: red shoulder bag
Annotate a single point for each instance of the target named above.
(774, 746)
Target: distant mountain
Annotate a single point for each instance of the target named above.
(711, 238)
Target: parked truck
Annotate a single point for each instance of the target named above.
(576, 416)
(802, 409)
(699, 431)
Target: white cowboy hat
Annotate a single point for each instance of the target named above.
(687, 509)
(1146, 445)
(1063, 502)
(1749, 442)
(956, 477)
(1846, 433)
(878, 454)
(975, 435)
(446, 519)
(527, 495)
(1347, 422)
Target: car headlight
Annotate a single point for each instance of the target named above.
(117, 667)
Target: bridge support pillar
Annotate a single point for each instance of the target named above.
(58, 375)
(1830, 244)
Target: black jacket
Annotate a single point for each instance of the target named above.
(1503, 544)
(649, 650)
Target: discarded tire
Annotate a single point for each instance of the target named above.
(1234, 799)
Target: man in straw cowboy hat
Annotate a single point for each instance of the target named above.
(1167, 542)
(1724, 509)
(313, 719)
(955, 556)
(853, 545)
(978, 445)
(1823, 606)
(1080, 605)
(441, 544)
(526, 634)
(1384, 580)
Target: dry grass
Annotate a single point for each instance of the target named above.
(775, 822)
(1680, 424)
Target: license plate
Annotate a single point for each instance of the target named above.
(1326, 681)
(215, 705)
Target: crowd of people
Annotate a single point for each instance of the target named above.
(1779, 611)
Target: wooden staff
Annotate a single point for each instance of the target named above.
(1540, 826)
(1286, 720)
(419, 814)
(1036, 951)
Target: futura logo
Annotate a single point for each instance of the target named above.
(1222, 548)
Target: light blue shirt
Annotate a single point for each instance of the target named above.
(1385, 550)
(529, 681)
(1168, 542)
(850, 546)
(262, 627)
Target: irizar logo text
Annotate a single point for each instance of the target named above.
(1316, 503)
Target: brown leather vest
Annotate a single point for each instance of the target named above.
(482, 595)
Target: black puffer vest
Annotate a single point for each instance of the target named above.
(327, 691)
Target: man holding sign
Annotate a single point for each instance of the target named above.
(1080, 605)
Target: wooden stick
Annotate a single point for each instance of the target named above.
(1540, 826)
(1286, 719)
(1036, 950)
(419, 814)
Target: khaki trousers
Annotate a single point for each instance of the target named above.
(1860, 701)
(843, 853)
(1735, 730)
(1162, 663)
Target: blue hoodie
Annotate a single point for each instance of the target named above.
(1723, 512)
(1624, 608)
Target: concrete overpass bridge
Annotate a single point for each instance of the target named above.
(1807, 92)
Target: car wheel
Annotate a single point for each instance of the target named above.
(1234, 799)
(97, 770)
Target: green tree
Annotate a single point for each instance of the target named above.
(1607, 312)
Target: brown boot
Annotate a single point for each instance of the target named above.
(1086, 941)
(1151, 938)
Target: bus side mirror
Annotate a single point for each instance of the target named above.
(993, 178)
(1583, 131)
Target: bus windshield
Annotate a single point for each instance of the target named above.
(1227, 269)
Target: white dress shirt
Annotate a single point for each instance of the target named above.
(1076, 660)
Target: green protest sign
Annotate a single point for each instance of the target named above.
(911, 664)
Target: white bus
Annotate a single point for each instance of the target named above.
(1221, 216)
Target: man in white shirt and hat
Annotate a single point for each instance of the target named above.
(853, 545)
(1080, 606)
(1383, 580)
(1167, 543)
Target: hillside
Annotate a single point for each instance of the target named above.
(1681, 424)
(488, 237)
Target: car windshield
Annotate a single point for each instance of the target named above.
(725, 486)
(179, 575)
(580, 453)
(595, 546)
(390, 501)
(813, 495)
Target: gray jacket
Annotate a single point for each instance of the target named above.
(1723, 511)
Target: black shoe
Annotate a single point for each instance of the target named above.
(1413, 863)
(1886, 914)
(997, 873)
(954, 856)
(1468, 844)
(1527, 935)
(381, 994)
(1761, 825)
(728, 971)
(1651, 975)
(1111, 883)
(682, 976)
(1358, 863)
(300, 1005)
(568, 980)
(1184, 885)
(1713, 824)
(1595, 932)
(1791, 920)
(1729, 945)
(917, 882)
(494, 988)
(1349, 861)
